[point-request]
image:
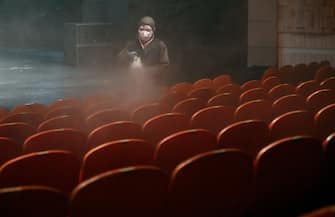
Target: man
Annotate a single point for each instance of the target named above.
(146, 54)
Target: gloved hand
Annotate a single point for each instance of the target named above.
(132, 55)
(137, 63)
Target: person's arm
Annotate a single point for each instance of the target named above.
(123, 56)
(164, 61)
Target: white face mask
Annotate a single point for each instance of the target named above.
(145, 33)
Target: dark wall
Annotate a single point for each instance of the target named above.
(36, 23)
(107, 11)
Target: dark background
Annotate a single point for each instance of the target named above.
(205, 38)
(36, 23)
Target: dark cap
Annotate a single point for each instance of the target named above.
(147, 21)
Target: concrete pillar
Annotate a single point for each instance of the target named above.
(262, 32)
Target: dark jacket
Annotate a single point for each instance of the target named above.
(154, 57)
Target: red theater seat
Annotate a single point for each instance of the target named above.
(320, 99)
(213, 118)
(3, 113)
(299, 71)
(224, 99)
(203, 83)
(58, 139)
(254, 110)
(306, 88)
(106, 117)
(64, 121)
(229, 88)
(250, 85)
(182, 88)
(114, 131)
(293, 123)
(253, 94)
(270, 82)
(9, 149)
(328, 211)
(189, 106)
(329, 83)
(182, 145)
(37, 201)
(33, 107)
(18, 132)
(281, 90)
(212, 183)
(271, 71)
(65, 102)
(285, 73)
(204, 93)
(221, 80)
(63, 110)
(171, 99)
(31, 118)
(131, 191)
(288, 174)
(288, 103)
(324, 121)
(147, 111)
(311, 70)
(57, 169)
(99, 106)
(117, 154)
(248, 136)
(161, 126)
(323, 73)
(329, 148)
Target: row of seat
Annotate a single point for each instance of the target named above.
(301, 72)
(287, 177)
(20, 138)
(123, 144)
(168, 123)
(70, 116)
(255, 109)
(271, 88)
